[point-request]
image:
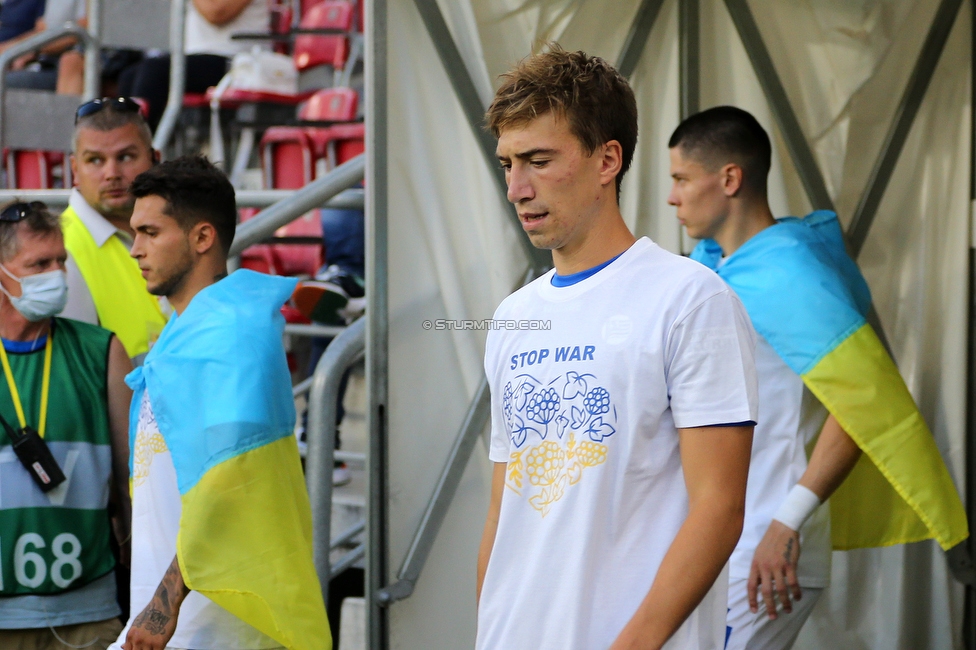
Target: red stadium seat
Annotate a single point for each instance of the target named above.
(287, 158)
(331, 105)
(286, 259)
(311, 50)
(338, 143)
(288, 154)
(32, 169)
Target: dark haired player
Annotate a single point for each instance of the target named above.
(221, 555)
(820, 365)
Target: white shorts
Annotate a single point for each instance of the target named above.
(747, 631)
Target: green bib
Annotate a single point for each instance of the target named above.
(60, 540)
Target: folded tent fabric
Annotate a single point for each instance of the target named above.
(808, 299)
(221, 394)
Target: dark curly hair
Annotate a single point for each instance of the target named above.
(194, 191)
(598, 103)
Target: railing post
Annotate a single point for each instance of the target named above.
(340, 354)
(177, 76)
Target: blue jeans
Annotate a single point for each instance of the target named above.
(344, 236)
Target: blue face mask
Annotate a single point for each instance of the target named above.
(41, 296)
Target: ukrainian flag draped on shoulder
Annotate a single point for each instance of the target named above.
(807, 298)
(221, 394)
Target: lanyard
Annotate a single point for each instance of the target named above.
(45, 385)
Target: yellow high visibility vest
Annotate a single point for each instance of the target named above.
(117, 287)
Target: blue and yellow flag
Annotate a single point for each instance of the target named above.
(221, 394)
(808, 299)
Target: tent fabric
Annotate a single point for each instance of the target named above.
(454, 253)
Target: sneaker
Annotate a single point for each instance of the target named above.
(340, 474)
(334, 297)
(351, 284)
(320, 301)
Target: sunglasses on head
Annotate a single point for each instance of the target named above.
(19, 211)
(118, 104)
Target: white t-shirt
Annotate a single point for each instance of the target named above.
(202, 37)
(586, 413)
(790, 417)
(156, 509)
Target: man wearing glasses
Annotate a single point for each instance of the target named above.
(63, 449)
(112, 145)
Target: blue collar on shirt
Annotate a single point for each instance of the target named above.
(21, 347)
(573, 278)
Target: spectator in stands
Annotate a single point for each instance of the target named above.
(214, 435)
(112, 146)
(39, 70)
(209, 48)
(58, 586)
(18, 17)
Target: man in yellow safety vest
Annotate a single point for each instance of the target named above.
(112, 145)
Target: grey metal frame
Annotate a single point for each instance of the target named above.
(789, 126)
(640, 29)
(351, 199)
(689, 57)
(344, 350)
(377, 309)
(447, 484)
(177, 76)
(34, 43)
(901, 125)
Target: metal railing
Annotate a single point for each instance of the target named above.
(313, 195)
(344, 350)
(36, 42)
(440, 501)
(177, 76)
(351, 199)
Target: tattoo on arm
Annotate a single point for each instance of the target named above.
(165, 603)
(152, 620)
(788, 554)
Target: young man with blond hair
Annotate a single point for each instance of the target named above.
(621, 436)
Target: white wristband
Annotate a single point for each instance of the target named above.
(797, 508)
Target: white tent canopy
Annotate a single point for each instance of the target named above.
(444, 245)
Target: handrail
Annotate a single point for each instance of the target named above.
(341, 353)
(31, 44)
(351, 199)
(311, 196)
(177, 76)
(440, 501)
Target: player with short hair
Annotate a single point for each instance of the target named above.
(221, 550)
(825, 382)
(621, 436)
